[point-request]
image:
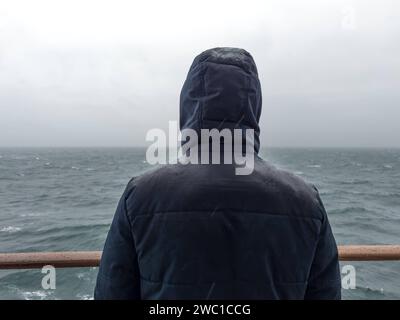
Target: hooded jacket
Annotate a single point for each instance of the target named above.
(194, 231)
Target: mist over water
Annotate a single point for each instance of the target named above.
(55, 199)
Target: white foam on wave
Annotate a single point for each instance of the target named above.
(84, 297)
(30, 295)
(40, 294)
(314, 166)
(388, 166)
(30, 214)
(81, 276)
(10, 229)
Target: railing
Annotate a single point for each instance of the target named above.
(73, 259)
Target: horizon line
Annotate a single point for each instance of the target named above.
(143, 146)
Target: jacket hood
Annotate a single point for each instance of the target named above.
(222, 91)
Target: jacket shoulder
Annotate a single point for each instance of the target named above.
(297, 194)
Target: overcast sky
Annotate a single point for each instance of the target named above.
(102, 73)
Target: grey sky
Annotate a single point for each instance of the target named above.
(102, 73)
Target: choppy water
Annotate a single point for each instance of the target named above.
(64, 199)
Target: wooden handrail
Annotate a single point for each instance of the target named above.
(73, 259)
(369, 252)
(33, 260)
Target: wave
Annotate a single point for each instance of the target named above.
(349, 210)
(81, 296)
(355, 181)
(30, 295)
(67, 232)
(373, 292)
(10, 229)
(27, 295)
(23, 215)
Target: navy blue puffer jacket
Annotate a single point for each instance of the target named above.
(202, 231)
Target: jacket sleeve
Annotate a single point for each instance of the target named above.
(118, 276)
(324, 281)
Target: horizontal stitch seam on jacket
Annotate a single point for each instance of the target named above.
(222, 281)
(325, 282)
(227, 209)
(224, 63)
(228, 121)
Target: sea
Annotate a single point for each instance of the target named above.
(55, 199)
